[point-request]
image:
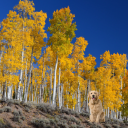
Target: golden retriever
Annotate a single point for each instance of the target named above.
(96, 110)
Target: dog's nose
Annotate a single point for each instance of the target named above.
(93, 96)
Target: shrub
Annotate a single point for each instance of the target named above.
(29, 104)
(52, 122)
(27, 109)
(16, 113)
(2, 123)
(65, 110)
(64, 121)
(76, 114)
(1, 110)
(116, 126)
(46, 107)
(56, 119)
(7, 109)
(85, 114)
(73, 119)
(17, 102)
(40, 122)
(96, 126)
(16, 118)
(65, 117)
(108, 126)
(88, 122)
(23, 118)
(79, 126)
(61, 125)
(20, 113)
(73, 126)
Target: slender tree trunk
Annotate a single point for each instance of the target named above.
(31, 89)
(9, 89)
(41, 86)
(78, 101)
(25, 79)
(21, 76)
(21, 93)
(59, 94)
(87, 108)
(117, 113)
(54, 85)
(78, 97)
(108, 112)
(61, 97)
(29, 75)
(15, 92)
(4, 91)
(121, 100)
(50, 86)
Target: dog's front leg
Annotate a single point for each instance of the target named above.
(98, 117)
(91, 118)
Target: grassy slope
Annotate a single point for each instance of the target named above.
(15, 114)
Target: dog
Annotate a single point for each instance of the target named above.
(96, 110)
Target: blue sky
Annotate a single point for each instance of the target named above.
(103, 23)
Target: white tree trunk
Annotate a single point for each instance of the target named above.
(59, 94)
(9, 92)
(50, 86)
(108, 112)
(21, 76)
(15, 92)
(87, 108)
(112, 114)
(4, 91)
(61, 98)
(54, 85)
(25, 78)
(31, 89)
(121, 100)
(29, 75)
(78, 97)
(21, 93)
(117, 114)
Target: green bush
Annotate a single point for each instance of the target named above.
(45, 107)
(7, 109)
(40, 122)
(85, 114)
(22, 117)
(52, 122)
(108, 126)
(16, 118)
(20, 113)
(27, 109)
(1, 110)
(73, 126)
(16, 113)
(116, 126)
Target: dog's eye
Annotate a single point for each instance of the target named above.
(91, 93)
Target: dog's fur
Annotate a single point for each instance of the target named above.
(96, 110)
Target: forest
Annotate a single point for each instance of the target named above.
(64, 75)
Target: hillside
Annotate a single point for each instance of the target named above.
(15, 114)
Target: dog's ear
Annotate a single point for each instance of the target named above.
(97, 94)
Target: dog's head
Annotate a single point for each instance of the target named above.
(93, 95)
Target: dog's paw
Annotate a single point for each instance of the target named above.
(97, 121)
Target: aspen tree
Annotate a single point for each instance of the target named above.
(62, 30)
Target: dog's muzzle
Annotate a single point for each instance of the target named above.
(93, 96)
